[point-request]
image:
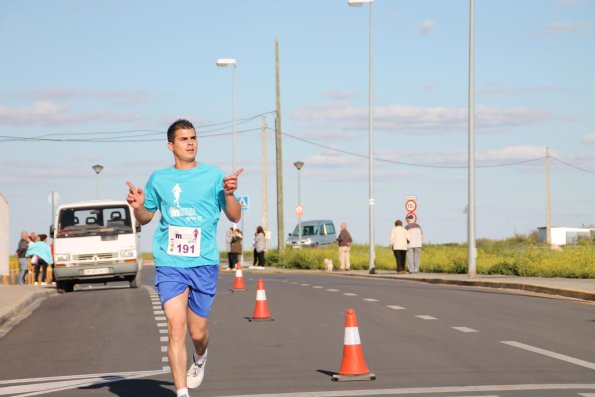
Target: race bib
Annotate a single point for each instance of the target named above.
(184, 241)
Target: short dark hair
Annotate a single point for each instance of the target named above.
(180, 124)
(259, 229)
(398, 222)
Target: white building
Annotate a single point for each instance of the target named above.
(566, 235)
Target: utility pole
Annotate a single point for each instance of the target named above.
(279, 157)
(265, 216)
(472, 252)
(548, 208)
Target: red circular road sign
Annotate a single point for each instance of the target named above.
(410, 205)
(299, 210)
(411, 216)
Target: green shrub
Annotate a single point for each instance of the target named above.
(519, 256)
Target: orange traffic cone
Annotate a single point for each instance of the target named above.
(261, 310)
(238, 284)
(353, 365)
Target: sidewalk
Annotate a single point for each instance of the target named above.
(18, 299)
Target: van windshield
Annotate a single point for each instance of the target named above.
(94, 221)
(307, 230)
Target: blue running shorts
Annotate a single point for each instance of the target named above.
(201, 280)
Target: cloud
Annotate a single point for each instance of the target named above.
(517, 90)
(128, 97)
(426, 27)
(563, 27)
(512, 153)
(49, 113)
(430, 86)
(340, 95)
(422, 119)
(589, 138)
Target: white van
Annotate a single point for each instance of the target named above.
(96, 242)
(314, 233)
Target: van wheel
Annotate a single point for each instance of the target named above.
(64, 286)
(135, 282)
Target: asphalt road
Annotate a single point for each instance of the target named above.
(418, 339)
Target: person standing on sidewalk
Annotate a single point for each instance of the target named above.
(415, 238)
(190, 197)
(22, 257)
(344, 241)
(398, 243)
(259, 247)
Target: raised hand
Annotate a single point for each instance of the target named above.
(136, 196)
(230, 182)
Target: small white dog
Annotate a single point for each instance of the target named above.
(328, 264)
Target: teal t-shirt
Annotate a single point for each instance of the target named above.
(190, 201)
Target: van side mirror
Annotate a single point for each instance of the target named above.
(52, 231)
(138, 227)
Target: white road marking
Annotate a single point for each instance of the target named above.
(395, 307)
(370, 300)
(37, 386)
(163, 331)
(587, 394)
(465, 329)
(163, 338)
(317, 286)
(156, 312)
(426, 317)
(332, 290)
(426, 390)
(160, 318)
(349, 294)
(163, 349)
(162, 324)
(551, 354)
(305, 285)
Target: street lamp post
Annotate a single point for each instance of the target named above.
(299, 210)
(97, 168)
(224, 62)
(359, 3)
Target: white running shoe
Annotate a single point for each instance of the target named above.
(36, 283)
(196, 372)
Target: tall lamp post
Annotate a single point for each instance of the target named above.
(222, 63)
(97, 168)
(359, 3)
(299, 210)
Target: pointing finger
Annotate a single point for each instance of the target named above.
(131, 186)
(238, 172)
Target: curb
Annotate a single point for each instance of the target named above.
(569, 293)
(24, 303)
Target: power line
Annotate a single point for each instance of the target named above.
(201, 130)
(410, 164)
(4, 138)
(573, 166)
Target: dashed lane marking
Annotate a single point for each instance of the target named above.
(370, 300)
(332, 290)
(426, 317)
(465, 329)
(395, 307)
(551, 354)
(317, 286)
(349, 294)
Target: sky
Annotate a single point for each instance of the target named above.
(86, 82)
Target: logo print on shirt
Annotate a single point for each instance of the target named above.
(177, 190)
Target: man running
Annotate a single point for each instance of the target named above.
(190, 196)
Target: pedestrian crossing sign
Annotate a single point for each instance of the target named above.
(244, 202)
